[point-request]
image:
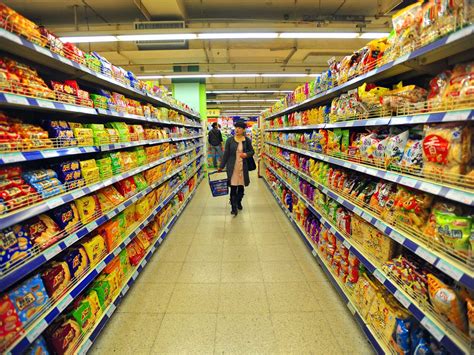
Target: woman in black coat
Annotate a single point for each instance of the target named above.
(237, 149)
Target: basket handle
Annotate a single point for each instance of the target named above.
(212, 173)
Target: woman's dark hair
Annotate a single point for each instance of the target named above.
(240, 124)
(214, 125)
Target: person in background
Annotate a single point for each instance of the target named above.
(237, 149)
(215, 142)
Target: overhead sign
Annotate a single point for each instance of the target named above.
(213, 113)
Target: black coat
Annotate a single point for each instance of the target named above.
(228, 160)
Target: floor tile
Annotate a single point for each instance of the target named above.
(264, 238)
(304, 333)
(181, 239)
(209, 253)
(211, 238)
(129, 333)
(245, 334)
(327, 296)
(186, 333)
(291, 297)
(200, 272)
(239, 253)
(241, 272)
(282, 271)
(173, 253)
(159, 271)
(275, 253)
(154, 298)
(194, 298)
(243, 298)
(231, 238)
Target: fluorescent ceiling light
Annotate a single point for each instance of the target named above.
(256, 100)
(89, 39)
(187, 76)
(247, 91)
(241, 35)
(158, 37)
(235, 75)
(374, 35)
(324, 35)
(148, 77)
(284, 75)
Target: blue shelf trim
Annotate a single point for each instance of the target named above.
(437, 117)
(451, 193)
(31, 334)
(18, 41)
(28, 267)
(22, 214)
(373, 75)
(447, 267)
(111, 309)
(444, 337)
(373, 341)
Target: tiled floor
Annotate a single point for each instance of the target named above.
(224, 284)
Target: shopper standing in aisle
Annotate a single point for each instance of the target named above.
(237, 150)
(215, 141)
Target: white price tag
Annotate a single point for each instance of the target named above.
(101, 266)
(125, 290)
(13, 158)
(111, 310)
(51, 252)
(64, 303)
(449, 270)
(379, 276)
(46, 104)
(117, 251)
(351, 308)
(314, 253)
(432, 328)
(18, 100)
(70, 241)
(36, 331)
(346, 244)
(55, 202)
(425, 254)
(49, 154)
(160, 240)
(135, 275)
(397, 237)
(408, 181)
(402, 299)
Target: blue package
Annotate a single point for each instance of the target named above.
(63, 215)
(46, 184)
(66, 177)
(38, 175)
(402, 336)
(422, 348)
(14, 244)
(68, 166)
(52, 191)
(39, 347)
(56, 124)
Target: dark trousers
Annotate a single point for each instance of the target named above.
(237, 190)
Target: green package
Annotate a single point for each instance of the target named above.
(116, 161)
(99, 101)
(141, 156)
(105, 167)
(332, 209)
(122, 224)
(164, 113)
(122, 129)
(83, 315)
(345, 140)
(102, 287)
(140, 182)
(124, 262)
(454, 230)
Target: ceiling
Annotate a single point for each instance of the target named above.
(88, 17)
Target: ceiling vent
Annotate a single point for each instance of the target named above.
(161, 45)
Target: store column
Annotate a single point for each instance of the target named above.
(193, 92)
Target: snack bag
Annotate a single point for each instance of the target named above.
(66, 217)
(103, 290)
(14, 244)
(395, 148)
(62, 335)
(126, 187)
(29, 298)
(117, 162)
(130, 216)
(470, 316)
(39, 347)
(56, 278)
(88, 208)
(446, 302)
(111, 233)
(111, 193)
(140, 182)
(124, 262)
(446, 149)
(10, 324)
(95, 249)
(135, 252)
(411, 207)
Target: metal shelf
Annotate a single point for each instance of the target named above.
(16, 157)
(34, 330)
(446, 47)
(451, 193)
(29, 265)
(435, 117)
(448, 339)
(21, 47)
(448, 266)
(17, 216)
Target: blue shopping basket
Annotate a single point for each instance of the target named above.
(219, 187)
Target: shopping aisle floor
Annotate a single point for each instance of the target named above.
(224, 284)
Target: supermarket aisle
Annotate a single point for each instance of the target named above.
(232, 285)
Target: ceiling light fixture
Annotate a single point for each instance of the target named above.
(238, 35)
(319, 35)
(247, 91)
(284, 75)
(235, 75)
(187, 76)
(374, 35)
(89, 39)
(158, 37)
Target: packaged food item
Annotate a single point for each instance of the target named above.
(141, 156)
(88, 207)
(84, 136)
(38, 175)
(66, 217)
(14, 245)
(395, 148)
(126, 187)
(95, 249)
(117, 162)
(43, 231)
(10, 323)
(140, 182)
(446, 150)
(103, 290)
(29, 298)
(124, 263)
(88, 164)
(122, 129)
(446, 302)
(122, 224)
(470, 316)
(412, 159)
(77, 261)
(39, 347)
(91, 176)
(130, 215)
(56, 278)
(135, 252)
(111, 233)
(142, 209)
(82, 312)
(63, 335)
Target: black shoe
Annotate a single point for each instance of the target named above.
(239, 198)
(239, 205)
(233, 203)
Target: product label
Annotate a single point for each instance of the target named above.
(436, 149)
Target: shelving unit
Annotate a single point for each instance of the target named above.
(185, 157)
(450, 265)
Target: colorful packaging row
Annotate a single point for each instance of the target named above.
(16, 23)
(445, 223)
(413, 27)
